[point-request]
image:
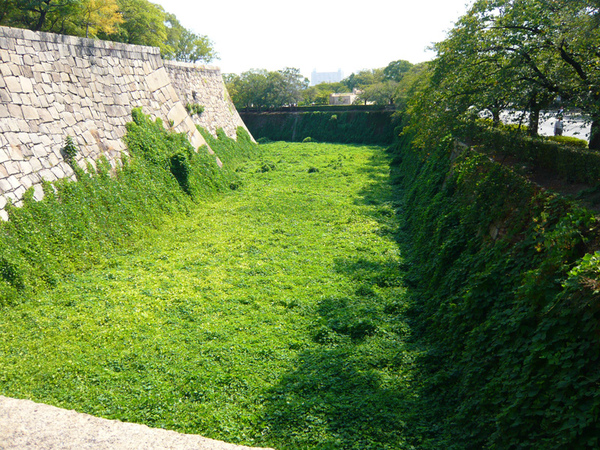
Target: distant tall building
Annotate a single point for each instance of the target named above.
(325, 77)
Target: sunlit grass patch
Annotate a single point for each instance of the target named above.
(270, 315)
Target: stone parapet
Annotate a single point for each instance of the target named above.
(53, 86)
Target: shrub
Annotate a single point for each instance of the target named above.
(194, 109)
(565, 157)
(69, 151)
(572, 141)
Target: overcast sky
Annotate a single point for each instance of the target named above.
(325, 35)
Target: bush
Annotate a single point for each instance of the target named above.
(568, 140)
(564, 156)
(194, 109)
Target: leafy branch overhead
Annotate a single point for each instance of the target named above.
(525, 55)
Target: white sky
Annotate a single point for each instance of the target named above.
(325, 35)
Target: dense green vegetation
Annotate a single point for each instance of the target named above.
(358, 127)
(566, 157)
(271, 315)
(502, 276)
(77, 223)
(503, 279)
(519, 55)
(319, 305)
(282, 314)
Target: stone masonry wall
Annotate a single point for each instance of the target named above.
(53, 86)
(204, 86)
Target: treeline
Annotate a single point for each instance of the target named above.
(262, 89)
(519, 55)
(138, 22)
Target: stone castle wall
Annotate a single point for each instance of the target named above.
(53, 86)
(204, 86)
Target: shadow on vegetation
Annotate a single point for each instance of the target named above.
(335, 400)
(351, 389)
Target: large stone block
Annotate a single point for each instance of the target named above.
(13, 84)
(30, 113)
(157, 79)
(13, 180)
(5, 186)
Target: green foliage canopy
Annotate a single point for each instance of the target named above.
(518, 54)
(259, 88)
(184, 45)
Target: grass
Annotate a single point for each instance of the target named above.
(268, 316)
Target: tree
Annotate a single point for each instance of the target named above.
(382, 93)
(8, 8)
(143, 24)
(363, 78)
(292, 84)
(184, 45)
(522, 54)
(264, 89)
(411, 83)
(45, 15)
(396, 70)
(382, 86)
(248, 89)
(100, 16)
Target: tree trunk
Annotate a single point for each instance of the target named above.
(534, 121)
(41, 20)
(595, 135)
(495, 117)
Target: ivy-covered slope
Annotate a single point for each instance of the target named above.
(78, 223)
(505, 287)
(356, 127)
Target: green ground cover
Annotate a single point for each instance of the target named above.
(271, 315)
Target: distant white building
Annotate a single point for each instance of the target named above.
(325, 77)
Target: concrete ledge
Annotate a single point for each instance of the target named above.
(28, 425)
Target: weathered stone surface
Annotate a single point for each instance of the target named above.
(15, 110)
(30, 113)
(12, 84)
(204, 86)
(54, 86)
